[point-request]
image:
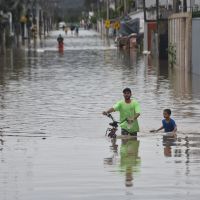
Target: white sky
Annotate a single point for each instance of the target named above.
(165, 2)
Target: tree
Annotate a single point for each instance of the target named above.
(9, 5)
(90, 4)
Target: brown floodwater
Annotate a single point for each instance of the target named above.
(52, 143)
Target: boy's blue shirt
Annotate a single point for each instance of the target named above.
(168, 126)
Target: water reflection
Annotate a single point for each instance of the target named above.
(128, 58)
(168, 143)
(129, 160)
(11, 65)
(184, 84)
(1, 144)
(114, 149)
(181, 83)
(44, 94)
(185, 150)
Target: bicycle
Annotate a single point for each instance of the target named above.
(111, 132)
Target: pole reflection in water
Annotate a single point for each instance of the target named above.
(1, 143)
(127, 57)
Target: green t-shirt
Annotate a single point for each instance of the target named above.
(128, 111)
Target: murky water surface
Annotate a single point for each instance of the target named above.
(52, 143)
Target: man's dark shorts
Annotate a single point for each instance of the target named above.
(125, 132)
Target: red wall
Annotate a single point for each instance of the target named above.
(151, 26)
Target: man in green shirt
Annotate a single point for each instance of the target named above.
(129, 110)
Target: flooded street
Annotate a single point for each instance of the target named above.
(52, 143)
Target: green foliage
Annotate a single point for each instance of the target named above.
(196, 14)
(120, 9)
(131, 4)
(90, 4)
(10, 5)
(13, 6)
(172, 54)
(112, 14)
(93, 19)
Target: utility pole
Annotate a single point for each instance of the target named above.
(107, 9)
(98, 10)
(107, 16)
(115, 5)
(125, 7)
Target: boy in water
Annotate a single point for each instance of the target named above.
(168, 124)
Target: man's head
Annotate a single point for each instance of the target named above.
(167, 113)
(127, 93)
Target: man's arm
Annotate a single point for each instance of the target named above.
(137, 111)
(131, 120)
(108, 111)
(136, 116)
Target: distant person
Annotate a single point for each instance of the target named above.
(34, 31)
(66, 30)
(77, 30)
(60, 39)
(72, 29)
(129, 110)
(168, 124)
(60, 43)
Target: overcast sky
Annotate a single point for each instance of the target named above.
(153, 2)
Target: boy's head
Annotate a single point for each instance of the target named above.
(167, 113)
(127, 93)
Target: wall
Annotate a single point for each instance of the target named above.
(180, 37)
(195, 46)
(150, 29)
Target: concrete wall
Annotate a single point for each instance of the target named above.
(195, 46)
(180, 36)
(145, 37)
